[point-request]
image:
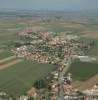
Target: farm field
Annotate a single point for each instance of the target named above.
(94, 51)
(83, 70)
(5, 53)
(17, 75)
(18, 78)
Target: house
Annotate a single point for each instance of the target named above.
(32, 92)
(24, 98)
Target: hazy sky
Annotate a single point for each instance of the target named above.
(50, 4)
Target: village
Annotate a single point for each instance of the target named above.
(59, 49)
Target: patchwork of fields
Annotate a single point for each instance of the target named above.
(16, 75)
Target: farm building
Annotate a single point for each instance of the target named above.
(86, 58)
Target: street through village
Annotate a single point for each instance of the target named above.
(61, 93)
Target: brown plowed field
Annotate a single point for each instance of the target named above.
(89, 83)
(76, 84)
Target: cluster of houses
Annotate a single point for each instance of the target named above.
(31, 94)
(74, 90)
(54, 86)
(47, 47)
(53, 48)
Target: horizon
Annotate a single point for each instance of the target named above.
(56, 5)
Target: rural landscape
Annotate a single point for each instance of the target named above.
(49, 55)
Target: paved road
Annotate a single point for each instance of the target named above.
(61, 97)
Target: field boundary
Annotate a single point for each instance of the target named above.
(10, 64)
(7, 59)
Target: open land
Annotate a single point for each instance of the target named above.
(83, 70)
(20, 76)
(17, 78)
(17, 75)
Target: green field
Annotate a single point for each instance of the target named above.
(5, 54)
(94, 51)
(17, 79)
(83, 70)
(9, 27)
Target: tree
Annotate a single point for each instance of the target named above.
(31, 98)
(41, 83)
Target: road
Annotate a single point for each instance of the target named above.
(61, 96)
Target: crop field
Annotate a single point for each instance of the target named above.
(17, 75)
(94, 51)
(83, 70)
(5, 53)
(20, 76)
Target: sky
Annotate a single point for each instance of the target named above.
(49, 4)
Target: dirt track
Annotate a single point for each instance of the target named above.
(7, 59)
(10, 64)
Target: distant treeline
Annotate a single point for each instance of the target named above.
(25, 13)
(12, 14)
